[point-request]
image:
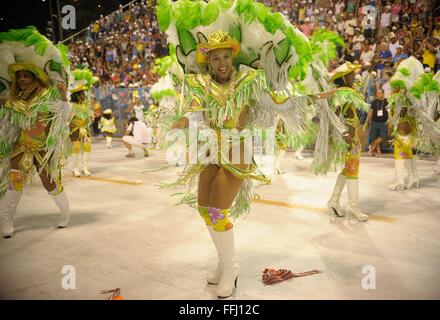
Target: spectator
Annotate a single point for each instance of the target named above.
(400, 55)
(369, 21)
(367, 54)
(395, 11)
(339, 7)
(383, 58)
(385, 22)
(351, 6)
(394, 44)
(358, 39)
(428, 49)
(377, 121)
(307, 27)
(350, 24)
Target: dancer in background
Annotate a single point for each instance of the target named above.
(413, 126)
(81, 120)
(107, 126)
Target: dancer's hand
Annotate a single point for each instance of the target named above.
(62, 91)
(327, 94)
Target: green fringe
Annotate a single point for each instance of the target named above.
(346, 94)
(336, 158)
(5, 148)
(219, 113)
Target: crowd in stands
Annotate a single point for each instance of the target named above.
(121, 48)
(377, 33)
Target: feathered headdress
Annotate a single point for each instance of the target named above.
(266, 40)
(26, 49)
(83, 80)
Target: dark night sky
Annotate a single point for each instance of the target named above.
(21, 13)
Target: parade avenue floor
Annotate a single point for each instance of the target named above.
(125, 233)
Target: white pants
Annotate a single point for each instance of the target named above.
(134, 143)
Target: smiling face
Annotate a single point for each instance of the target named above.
(25, 79)
(220, 62)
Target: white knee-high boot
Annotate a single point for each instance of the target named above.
(279, 162)
(214, 277)
(353, 200)
(109, 142)
(298, 153)
(333, 205)
(75, 167)
(413, 175)
(399, 183)
(63, 204)
(437, 171)
(9, 203)
(230, 268)
(85, 164)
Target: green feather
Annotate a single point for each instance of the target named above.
(187, 14)
(273, 22)
(187, 41)
(398, 84)
(164, 93)
(282, 50)
(210, 13)
(163, 12)
(64, 51)
(28, 36)
(246, 8)
(404, 71)
(424, 84)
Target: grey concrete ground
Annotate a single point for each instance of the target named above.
(125, 233)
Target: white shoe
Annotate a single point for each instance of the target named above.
(76, 172)
(214, 277)
(399, 183)
(9, 203)
(353, 200)
(85, 164)
(413, 176)
(228, 280)
(333, 204)
(63, 204)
